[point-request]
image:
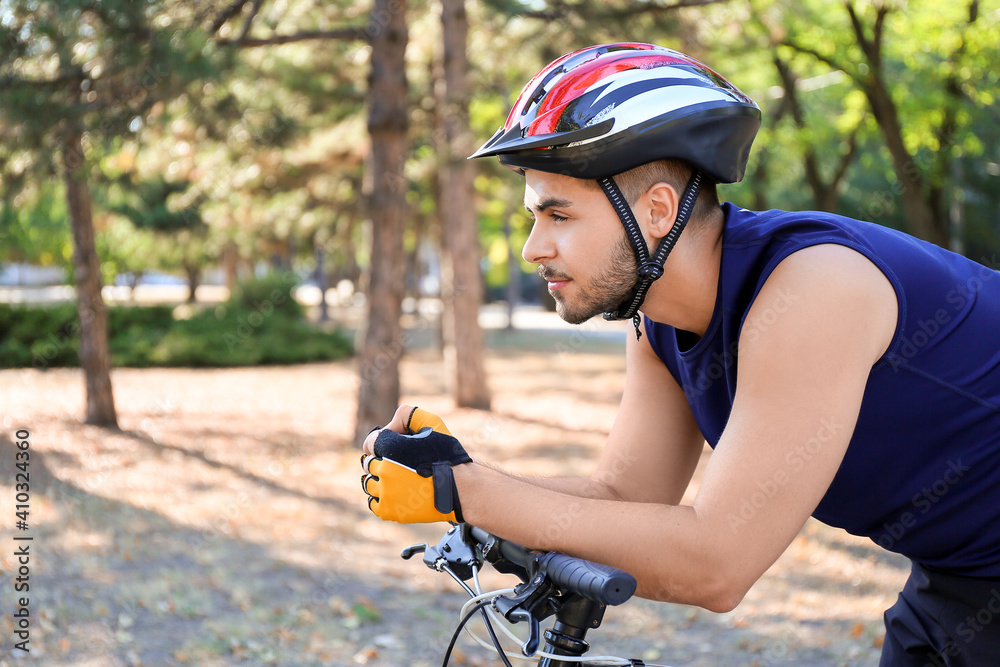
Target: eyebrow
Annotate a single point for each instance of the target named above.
(551, 202)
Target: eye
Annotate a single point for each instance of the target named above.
(557, 218)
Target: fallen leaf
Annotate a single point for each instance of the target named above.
(364, 655)
(366, 610)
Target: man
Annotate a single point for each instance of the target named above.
(838, 369)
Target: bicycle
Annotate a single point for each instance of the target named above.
(575, 591)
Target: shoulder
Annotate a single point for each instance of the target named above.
(779, 227)
(833, 266)
(828, 288)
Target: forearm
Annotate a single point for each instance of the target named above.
(580, 487)
(670, 552)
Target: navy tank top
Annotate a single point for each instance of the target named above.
(921, 475)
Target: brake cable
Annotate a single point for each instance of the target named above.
(478, 607)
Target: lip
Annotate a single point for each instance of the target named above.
(555, 285)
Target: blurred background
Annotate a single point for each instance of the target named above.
(234, 235)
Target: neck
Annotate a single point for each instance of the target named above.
(684, 297)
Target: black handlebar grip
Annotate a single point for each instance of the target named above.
(600, 583)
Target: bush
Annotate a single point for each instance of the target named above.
(270, 293)
(260, 324)
(38, 337)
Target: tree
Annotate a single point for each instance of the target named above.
(76, 69)
(805, 116)
(825, 191)
(382, 340)
(33, 227)
(462, 282)
(95, 355)
(146, 204)
(920, 179)
(388, 121)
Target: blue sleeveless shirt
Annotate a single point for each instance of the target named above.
(921, 475)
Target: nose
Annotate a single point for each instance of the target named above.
(539, 247)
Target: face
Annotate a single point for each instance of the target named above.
(579, 246)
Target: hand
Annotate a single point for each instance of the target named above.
(408, 466)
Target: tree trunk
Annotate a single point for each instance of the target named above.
(513, 271)
(947, 200)
(230, 261)
(321, 283)
(913, 191)
(133, 281)
(95, 357)
(462, 284)
(382, 344)
(826, 194)
(193, 273)
(918, 208)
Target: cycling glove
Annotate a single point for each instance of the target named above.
(410, 477)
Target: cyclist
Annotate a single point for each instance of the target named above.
(838, 368)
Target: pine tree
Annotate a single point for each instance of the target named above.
(74, 75)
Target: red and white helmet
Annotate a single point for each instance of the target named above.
(605, 109)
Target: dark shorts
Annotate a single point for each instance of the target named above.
(943, 620)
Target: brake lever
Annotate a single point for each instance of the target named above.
(531, 602)
(412, 550)
(453, 552)
(530, 645)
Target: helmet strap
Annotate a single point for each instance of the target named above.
(649, 268)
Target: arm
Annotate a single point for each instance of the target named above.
(801, 380)
(653, 447)
(654, 444)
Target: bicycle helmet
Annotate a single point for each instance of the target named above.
(605, 109)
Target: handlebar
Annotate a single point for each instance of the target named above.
(576, 591)
(598, 583)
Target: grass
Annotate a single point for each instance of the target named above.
(260, 324)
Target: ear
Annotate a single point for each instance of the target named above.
(662, 200)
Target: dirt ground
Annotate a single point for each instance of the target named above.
(224, 525)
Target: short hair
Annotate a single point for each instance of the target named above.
(635, 182)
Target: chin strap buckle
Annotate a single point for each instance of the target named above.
(650, 271)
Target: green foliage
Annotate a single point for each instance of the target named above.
(34, 228)
(123, 249)
(146, 205)
(226, 336)
(272, 292)
(233, 334)
(38, 337)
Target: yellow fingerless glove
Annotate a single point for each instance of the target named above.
(410, 477)
(420, 419)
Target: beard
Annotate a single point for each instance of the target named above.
(605, 292)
